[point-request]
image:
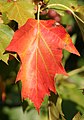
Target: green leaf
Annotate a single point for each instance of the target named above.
(6, 34)
(80, 12)
(58, 105)
(5, 18)
(82, 117)
(53, 112)
(81, 26)
(77, 80)
(77, 116)
(81, 2)
(67, 19)
(70, 91)
(1, 4)
(70, 3)
(16, 113)
(79, 16)
(19, 10)
(63, 118)
(55, 109)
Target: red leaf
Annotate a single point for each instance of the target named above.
(39, 45)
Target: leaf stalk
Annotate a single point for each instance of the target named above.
(67, 8)
(38, 12)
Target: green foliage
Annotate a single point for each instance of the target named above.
(80, 13)
(6, 34)
(78, 117)
(69, 4)
(19, 10)
(55, 108)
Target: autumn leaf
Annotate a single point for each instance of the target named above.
(39, 45)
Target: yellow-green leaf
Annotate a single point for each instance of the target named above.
(55, 109)
(19, 10)
(77, 116)
(6, 34)
(80, 12)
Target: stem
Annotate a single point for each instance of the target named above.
(38, 12)
(67, 8)
(60, 5)
(38, 15)
(37, 41)
(76, 71)
(73, 72)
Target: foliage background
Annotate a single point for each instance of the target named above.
(70, 89)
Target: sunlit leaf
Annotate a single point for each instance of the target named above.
(39, 45)
(80, 12)
(55, 108)
(77, 117)
(19, 10)
(6, 34)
